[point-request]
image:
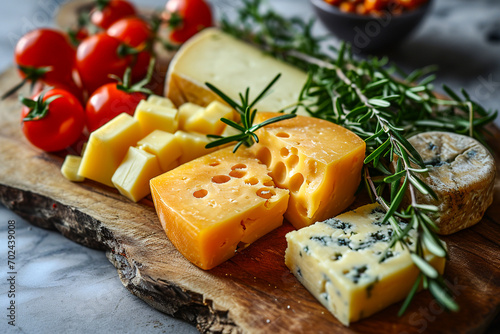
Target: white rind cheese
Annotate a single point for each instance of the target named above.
(338, 261)
(231, 65)
(462, 174)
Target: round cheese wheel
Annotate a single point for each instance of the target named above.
(461, 173)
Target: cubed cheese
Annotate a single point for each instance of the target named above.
(70, 166)
(185, 111)
(160, 101)
(107, 146)
(231, 65)
(164, 145)
(318, 161)
(339, 262)
(155, 117)
(132, 177)
(207, 120)
(213, 205)
(193, 145)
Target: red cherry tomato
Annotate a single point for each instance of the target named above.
(132, 31)
(136, 33)
(187, 17)
(108, 12)
(47, 48)
(107, 102)
(97, 57)
(60, 127)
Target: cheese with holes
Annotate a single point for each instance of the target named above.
(231, 65)
(212, 206)
(155, 117)
(70, 166)
(107, 147)
(132, 177)
(164, 146)
(207, 120)
(318, 161)
(338, 261)
(462, 174)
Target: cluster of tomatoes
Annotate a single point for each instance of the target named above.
(84, 79)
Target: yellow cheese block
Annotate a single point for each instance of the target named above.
(231, 65)
(216, 204)
(207, 120)
(132, 177)
(164, 145)
(70, 166)
(339, 262)
(318, 161)
(193, 145)
(107, 146)
(160, 101)
(155, 117)
(185, 111)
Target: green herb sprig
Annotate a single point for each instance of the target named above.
(383, 105)
(247, 114)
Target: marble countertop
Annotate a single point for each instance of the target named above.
(62, 287)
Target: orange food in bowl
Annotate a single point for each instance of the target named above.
(375, 7)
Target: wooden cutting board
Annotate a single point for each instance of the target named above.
(251, 293)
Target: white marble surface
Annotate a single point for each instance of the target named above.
(62, 287)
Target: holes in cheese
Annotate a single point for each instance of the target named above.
(208, 213)
(327, 158)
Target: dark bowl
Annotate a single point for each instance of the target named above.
(368, 33)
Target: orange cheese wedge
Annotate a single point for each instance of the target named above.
(318, 161)
(214, 205)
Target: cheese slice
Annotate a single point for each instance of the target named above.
(231, 65)
(462, 174)
(338, 261)
(318, 161)
(212, 206)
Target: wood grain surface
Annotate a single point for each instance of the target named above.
(251, 293)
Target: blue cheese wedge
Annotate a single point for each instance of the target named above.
(339, 262)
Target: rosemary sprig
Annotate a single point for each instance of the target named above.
(384, 106)
(247, 114)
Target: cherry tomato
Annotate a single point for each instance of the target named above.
(187, 17)
(136, 33)
(108, 12)
(46, 48)
(62, 124)
(107, 102)
(97, 57)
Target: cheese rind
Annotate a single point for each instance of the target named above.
(462, 174)
(338, 261)
(216, 204)
(231, 65)
(320, 162)
(107, 146)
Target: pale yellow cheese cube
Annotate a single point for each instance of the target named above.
(207, 121)
(107, 146)
(185, 112)
(193, 145)
(133, 175)
(160, 101)
(230, 131)
(164, 145)
(69, 168)
(155, 117)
